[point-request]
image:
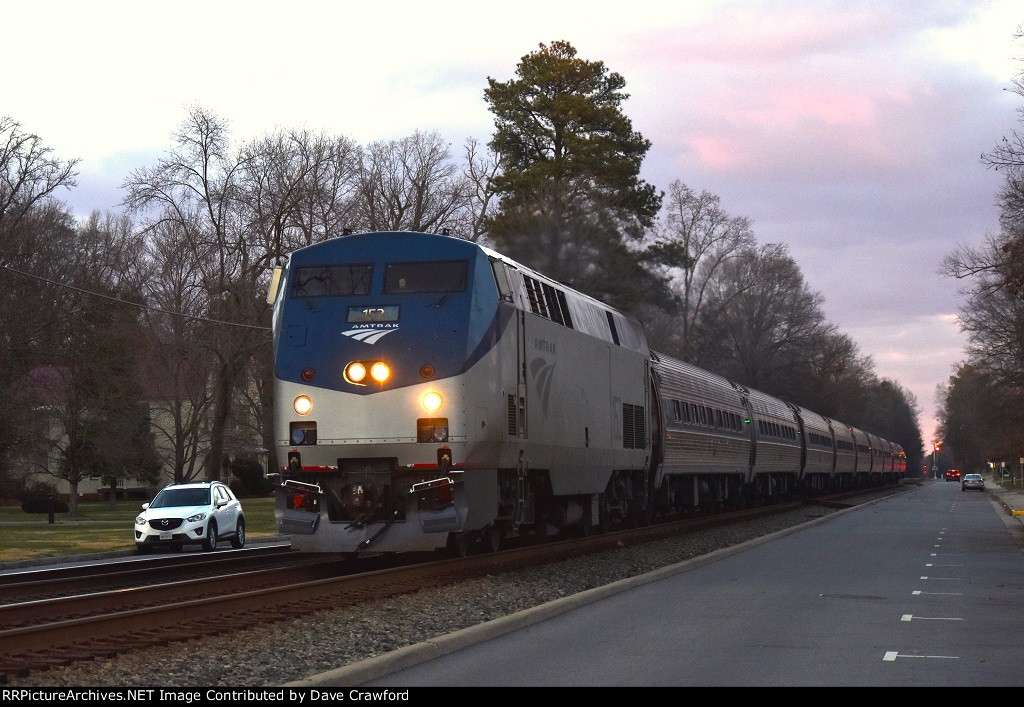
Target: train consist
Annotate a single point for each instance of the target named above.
(432, 394)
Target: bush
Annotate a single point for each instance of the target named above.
(249, 479)
(36, 499)
(11, 488)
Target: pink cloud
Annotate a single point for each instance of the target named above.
(759, 33)
(792, 105)
(719, 152)
(808, 129)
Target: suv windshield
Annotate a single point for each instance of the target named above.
(169, 498)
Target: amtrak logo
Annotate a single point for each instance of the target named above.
(370, 335)
(542, 372)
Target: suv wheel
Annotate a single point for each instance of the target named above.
(238, 539)
(210, 543)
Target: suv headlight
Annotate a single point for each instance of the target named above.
(140, 520)
(197, 517)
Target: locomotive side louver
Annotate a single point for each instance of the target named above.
(634, 433)
(513, 425)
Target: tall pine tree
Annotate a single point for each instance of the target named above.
(572, 204)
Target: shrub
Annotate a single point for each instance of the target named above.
(36, 498)
(249, 480)
(11, 488)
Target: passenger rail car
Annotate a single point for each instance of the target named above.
(431, 393)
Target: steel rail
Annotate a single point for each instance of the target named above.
(40, 583)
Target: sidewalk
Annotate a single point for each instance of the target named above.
(1010, 496)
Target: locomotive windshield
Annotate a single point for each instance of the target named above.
(332, 280)
(439, 276)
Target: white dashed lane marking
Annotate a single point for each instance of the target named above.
(893, 655)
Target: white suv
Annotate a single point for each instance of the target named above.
(190, 514)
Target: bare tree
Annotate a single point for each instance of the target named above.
(177, 367)
(1007, 157)
(199, 188)
(836, 379)
(763, 322)
(411, 184)
(299, 188)
(29, 175)
(479, 172)
(329, 199)
(993, 313)
(702, 237)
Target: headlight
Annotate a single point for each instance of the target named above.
(303, 405)
(140, 520)
(380, 372)
(355, 372)
(196, 517)
(431, 401)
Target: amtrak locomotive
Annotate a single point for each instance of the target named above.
(431, 393)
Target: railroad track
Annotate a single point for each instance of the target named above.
(45, 582)
(59, 630)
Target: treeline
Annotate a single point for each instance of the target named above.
(165, 302)
(982, 404)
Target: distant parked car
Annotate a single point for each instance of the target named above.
(972, 481)
(190, 514)
(953, 475)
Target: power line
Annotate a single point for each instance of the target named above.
(132, 304)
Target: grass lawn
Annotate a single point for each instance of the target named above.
(98, 527)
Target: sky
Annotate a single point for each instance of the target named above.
(849, 130)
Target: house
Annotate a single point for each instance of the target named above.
(177, 404)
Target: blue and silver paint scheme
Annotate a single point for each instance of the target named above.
(524, 394)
